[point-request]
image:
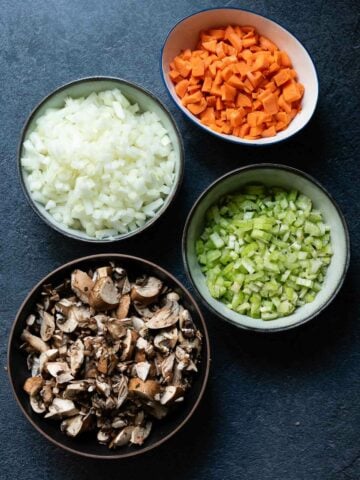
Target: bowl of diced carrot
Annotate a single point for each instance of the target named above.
(240, 76)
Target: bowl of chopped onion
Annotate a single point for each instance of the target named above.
(100, 159)
(266, 247)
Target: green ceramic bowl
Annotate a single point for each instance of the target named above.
(82, 88)
(288, 178)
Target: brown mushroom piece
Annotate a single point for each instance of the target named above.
(146, 290)
(140, 434)
(33, 385)
(129, 344)
(116, 328)
(166, 340)
(46, 357)
(142, 370)
(143, 390)
(167, 367)
(104, 294)
(170, 394)
(124, 307)
(76, 354)
(74, 389)
(74, 425)
(33, 341)
(47, 326)
(165, 317)
(61, 408)
(81, 285)
(186, 324)
(122, 438)
(37, 404)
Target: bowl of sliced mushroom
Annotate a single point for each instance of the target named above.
(108, 356)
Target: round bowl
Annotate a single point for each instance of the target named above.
(87, 445)
(185, 35)
(135, 94)
(289, 178)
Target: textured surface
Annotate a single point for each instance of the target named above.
(282, 407)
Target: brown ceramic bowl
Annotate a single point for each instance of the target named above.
(87, 445)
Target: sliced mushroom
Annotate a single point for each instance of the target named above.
(103, 387)
(76, 354)
(47, 327)
(143, 390)
(165, 317)
(35, 342)
(61, 408)
(74, 389)
(118, 423)
(75, 316)
(81, 285)
(116, 328)
(146, 291)
(170, 394)
(74, 425)
(140, 434)
(167, 367)
(103, 437)
(37, 404)
(33, 385)
(186, 324)
(122, 310)
(122, 438)
(122, 391)
(56, 368)
(142, 370)
(30, 320)
(129, 344)
(102, 272)
(46, 357)
(104, 294)
(166, 340)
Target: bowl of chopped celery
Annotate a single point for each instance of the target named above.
(266, 247)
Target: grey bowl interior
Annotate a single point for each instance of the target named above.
(86, 444)
(83, 88)
(271, 176)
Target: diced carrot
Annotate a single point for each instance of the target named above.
(228, 92)
(248, 87)
(217, 33)
(219, 104)
(218, 79)
(235, 41)
(282, 77)
(182, 66)
(269, 132)
(193, 98)
(285, 60)
(301, 88)
(270, 103)
(243, 100)
(174, 75)
(197, 108)
(280, 126)
(282, 117)
(236, 82)
(256, 131)
(193, 88)
(274, 67)
(261, 62)
(198, 68)
(291, 92)
(255, 78)
(216, 90)
(207, 84)
(220, 52)
(181, 88)
(236, 117)
(256, 105)
(255, 118)
(228, 31)
(211, 100)
(270, 86)
(212, 70)
(244, 129)
(284, 105)
(208, 115)
(194, 80)
(186, 54)
(228, 72)
(267, 44)
(210, 46)
(248, 42)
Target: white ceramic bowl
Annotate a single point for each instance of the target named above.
(185, 34)
(82, 88)
(289, 178)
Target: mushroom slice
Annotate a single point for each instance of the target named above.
(47, 327)
(186, 324)
(142, 370)
(124, 306)
(102, 272)
(46, 394)
(103, 437)
(33, 341)
(172, 392)
(166, 340)
(138, 323)
(118, 423)
(30, 320)
(81, 285)
(74, 389)
(116, 328)
(46, 357)
(143, 390)
(165, 317)
(122, 391)
(103, 388)
(104, 294)
(146, 290)
(122, 438)
(33, 385)
(143, 311)
(61, 407)
(56, 368)
(37, 404)
(64, 305)
(167, 367)
(140, 434)
(76, 354)
(129, 344)
(74, 425)
(74, 316)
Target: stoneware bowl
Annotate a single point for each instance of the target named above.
(288, 178)
(84, 87)
(87, 445)
(185, 34)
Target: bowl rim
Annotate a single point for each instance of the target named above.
(206, 361)
(259, 166)
(221, 135)
(169, 199)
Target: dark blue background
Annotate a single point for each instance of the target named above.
(281, 407)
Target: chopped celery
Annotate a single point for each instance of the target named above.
(264, 252)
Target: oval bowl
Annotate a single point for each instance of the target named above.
(289, 178)
(185, 35)
(87, 445)
(135, 94)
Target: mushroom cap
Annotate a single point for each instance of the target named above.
(47, 326)
(129, 344)
(35, 342)
(143, 389)
(33, 385)
(124, 306)
(146, 291)
(165, 317)
(81, 285)
(104, 294)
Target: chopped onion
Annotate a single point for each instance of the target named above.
(264, 252)
(99, 164)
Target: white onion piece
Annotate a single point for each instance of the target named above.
(99, 165)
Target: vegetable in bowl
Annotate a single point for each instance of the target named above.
(264, 251)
